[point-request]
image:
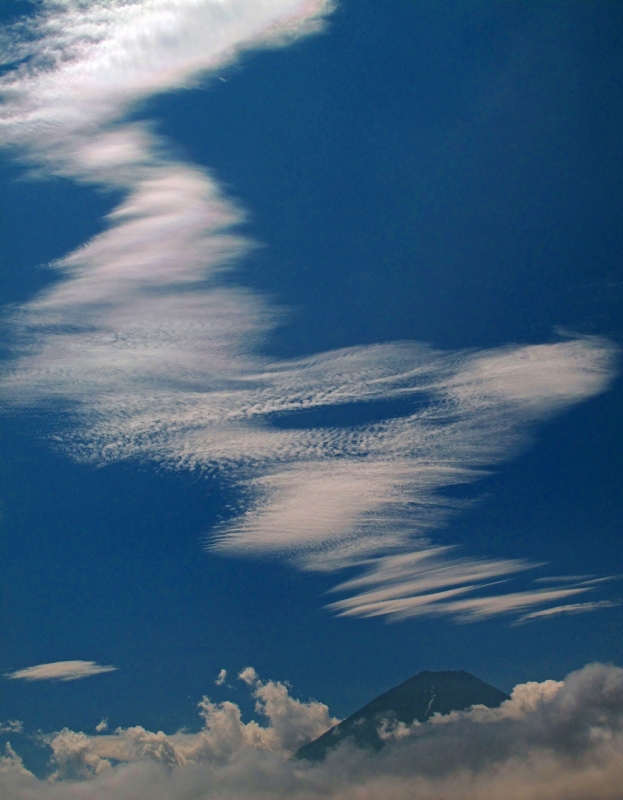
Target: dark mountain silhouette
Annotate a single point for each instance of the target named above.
(418, 698)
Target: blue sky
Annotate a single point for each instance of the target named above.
(310, 350)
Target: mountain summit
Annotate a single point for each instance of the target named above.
(418, 698)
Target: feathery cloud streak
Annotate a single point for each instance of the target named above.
(152, 356)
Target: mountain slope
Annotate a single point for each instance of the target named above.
(418, 698)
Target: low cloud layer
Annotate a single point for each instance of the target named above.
(288, 725)
(144, 352)
(555, 740)
(60, 671)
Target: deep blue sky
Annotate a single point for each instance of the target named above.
(441, 172)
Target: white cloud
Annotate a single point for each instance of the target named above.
(221, 677)
(249, 676)
(293, 722)
(431, 582)
(12, 767)
(148, 353)
(74, 757)
(555, 740)
(569, 608)
(347, 496)
(526, 699)
(88, 62)
(290, 723)
(12, 726)
(60, 671)
(102, 726)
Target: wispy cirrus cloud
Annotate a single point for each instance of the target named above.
(60, 671)
(430, 582)
(357, 491)
(149, 354)
(569, 608)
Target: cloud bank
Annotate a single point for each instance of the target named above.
(289, 724)
(60, 671)
(555, 740)
(146, 352)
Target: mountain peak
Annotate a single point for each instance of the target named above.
(417, 699)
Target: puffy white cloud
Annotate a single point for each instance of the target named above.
(60, 671)
(290, 724)
(12, 765)
(74, 757)
(293, 723)
(148, 354)
(248, 675)
(556, 740)
(221, 677)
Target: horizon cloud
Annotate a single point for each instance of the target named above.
(553, 740)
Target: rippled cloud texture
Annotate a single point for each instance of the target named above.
(556, 740)
(151, 355)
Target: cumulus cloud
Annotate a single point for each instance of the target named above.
(12, 766)
(221, 677)
(293, 723)
(60, 671)
(146, 352)
(555, 740)
(289, 723)
(74, 757)
(248, 675)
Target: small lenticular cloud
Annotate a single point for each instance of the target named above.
(60, 671)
